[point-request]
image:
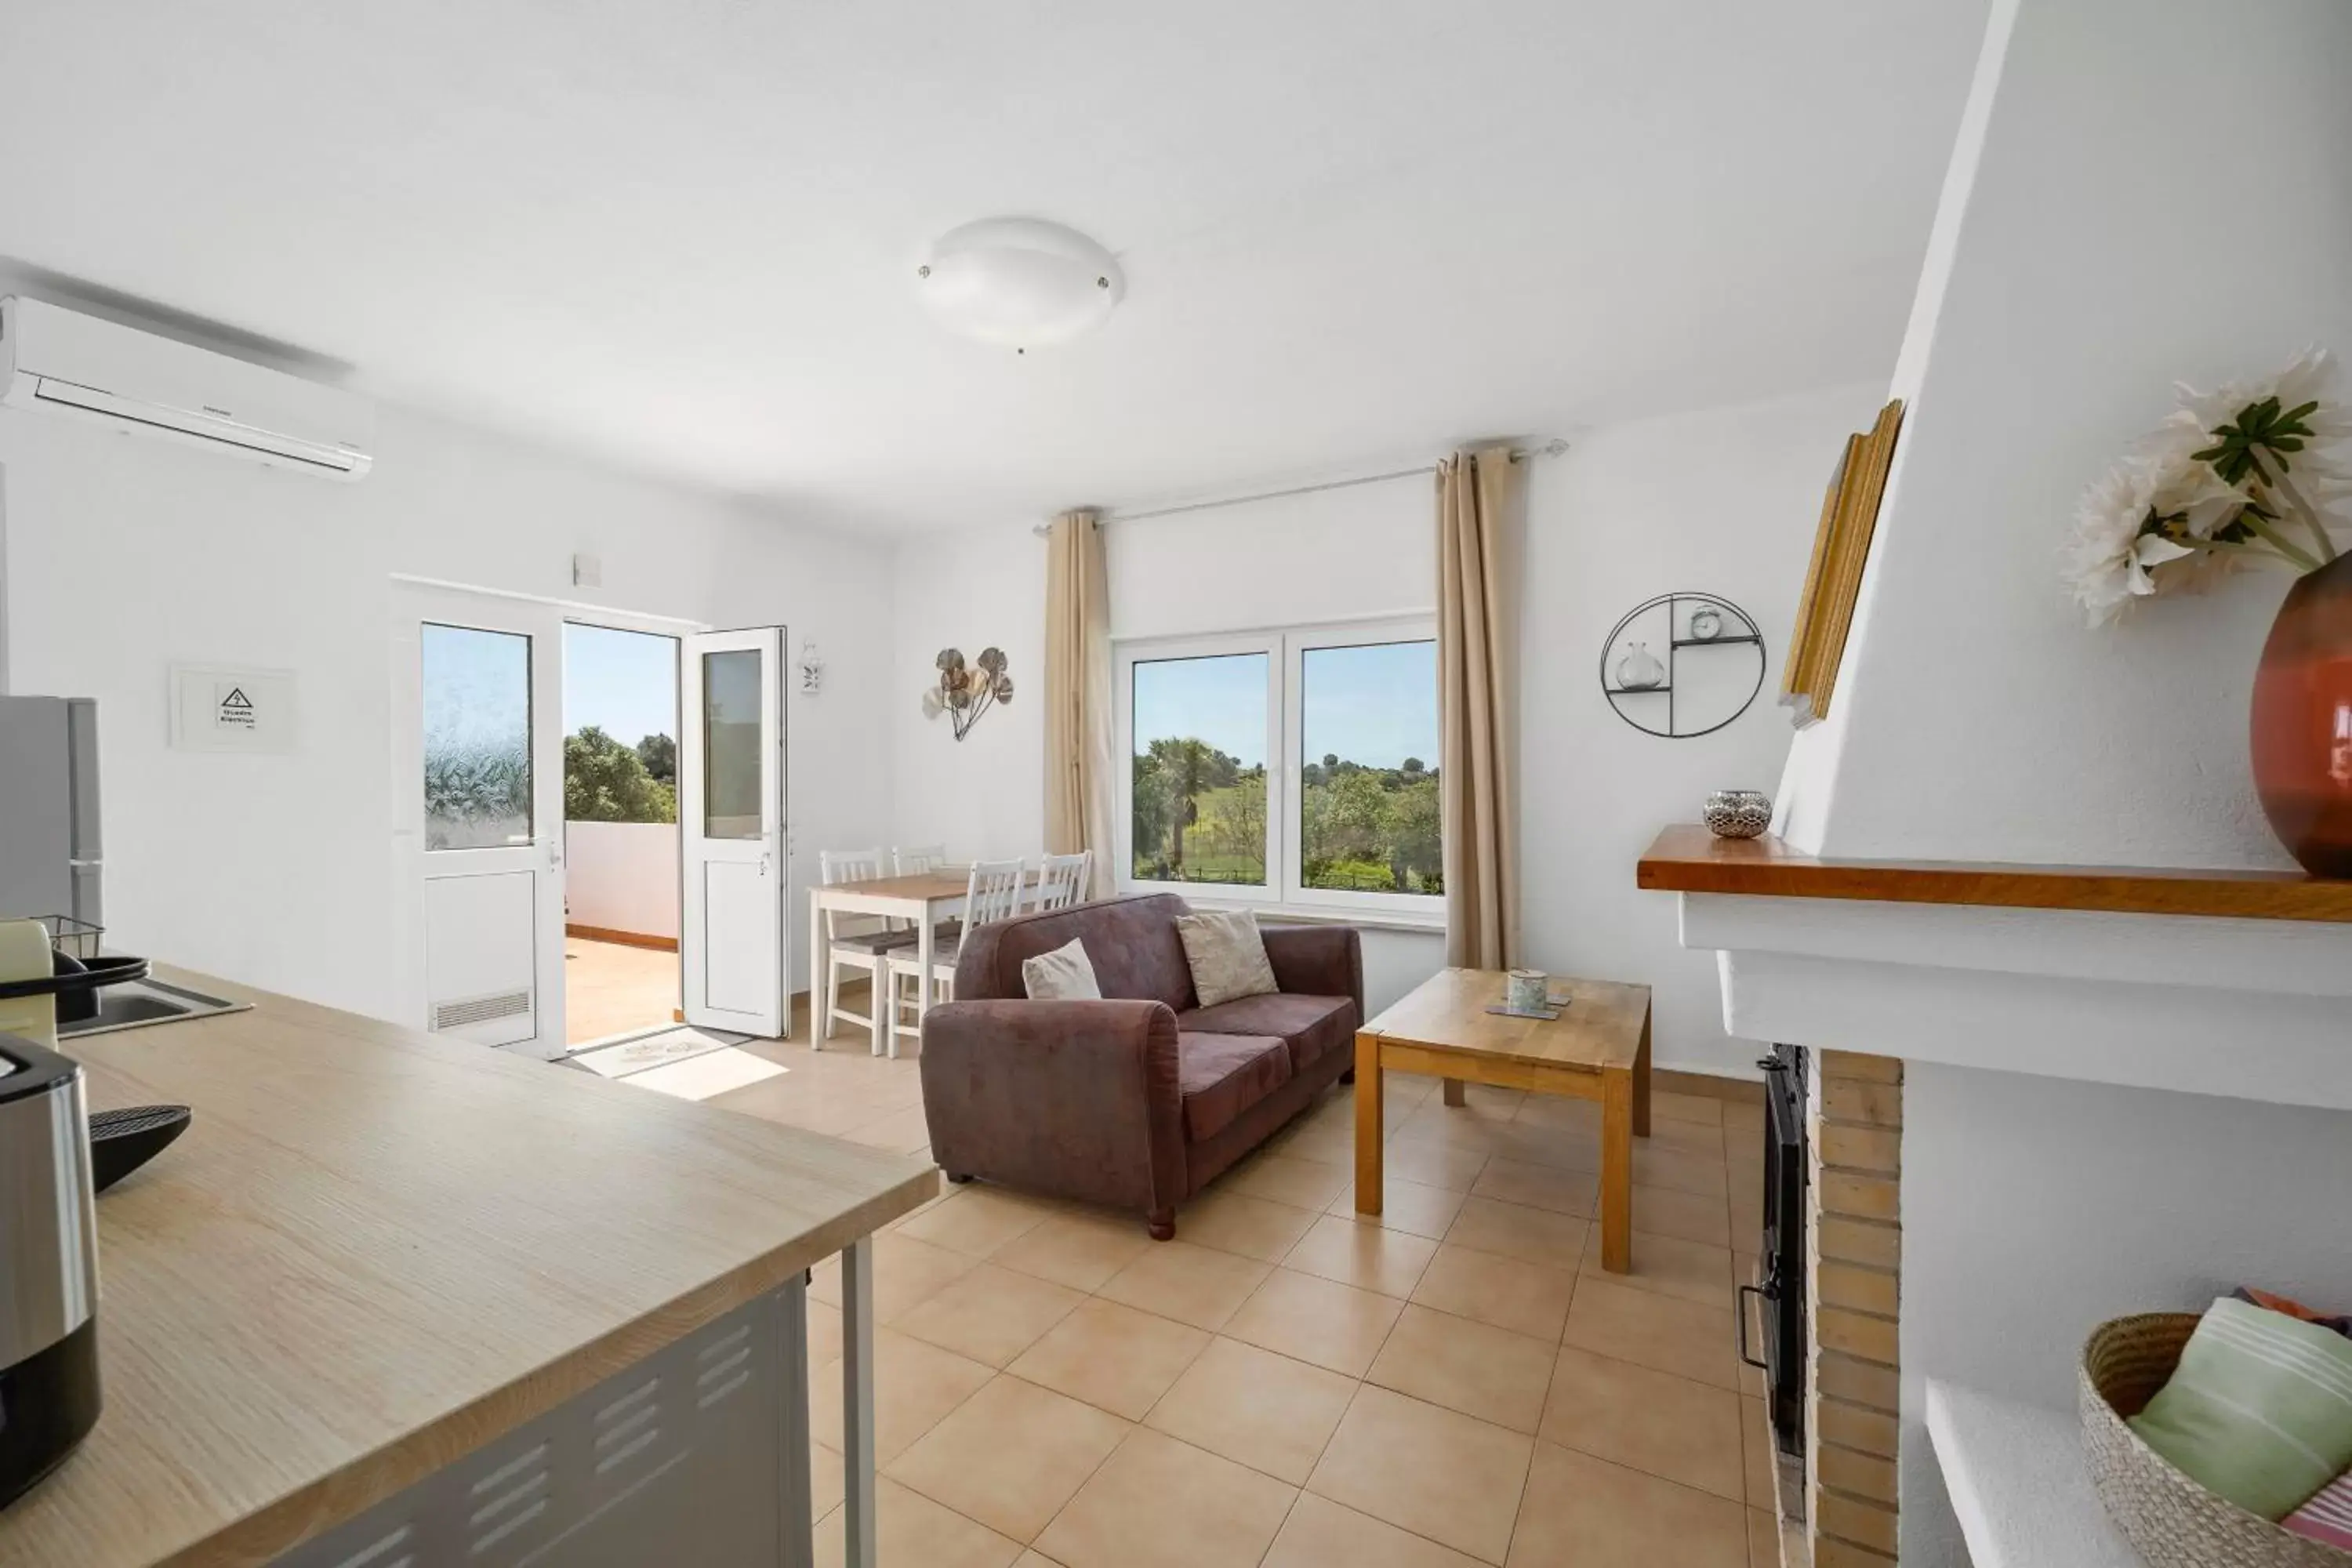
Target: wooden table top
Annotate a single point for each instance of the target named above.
(928, 886)
(374, 1250)
(1601, 1028)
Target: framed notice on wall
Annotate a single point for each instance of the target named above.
(1833, 577)
(217, 707)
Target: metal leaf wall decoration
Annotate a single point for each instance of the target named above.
(967, 691)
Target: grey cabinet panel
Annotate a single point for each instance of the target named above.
(677, 1460)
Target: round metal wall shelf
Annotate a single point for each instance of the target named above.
(1712, 668)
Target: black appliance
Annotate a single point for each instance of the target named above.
(48, 1266)
(1780, 1295)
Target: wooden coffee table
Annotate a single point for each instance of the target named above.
(1598, 1049)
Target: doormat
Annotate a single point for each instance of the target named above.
(647, 1051)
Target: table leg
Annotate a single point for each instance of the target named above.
(1369, 1128)
(820, 993)
(1617, 1170)
(858, 1402)
(1455, 1095)
(1642, 1082)
(799, 1512)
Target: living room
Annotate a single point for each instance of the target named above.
(1215, 574)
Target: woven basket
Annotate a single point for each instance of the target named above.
(2169, 1519)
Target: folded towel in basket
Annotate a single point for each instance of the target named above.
(2327, 1517)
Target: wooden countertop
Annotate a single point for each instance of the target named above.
(1687, 859)
(374, 1250)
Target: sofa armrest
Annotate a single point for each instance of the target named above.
(1078, 1099)
(1318, 960)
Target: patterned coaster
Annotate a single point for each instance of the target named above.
(1559, 1005)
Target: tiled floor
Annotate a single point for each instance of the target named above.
(610, 989)
(1286, 1385)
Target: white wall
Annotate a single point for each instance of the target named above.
(126, 554)
(2035, 1208)
(1977, 716)
(622, 876)
(1724, 501)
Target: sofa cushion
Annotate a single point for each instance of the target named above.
(1312, 1025)
(1224, 1075)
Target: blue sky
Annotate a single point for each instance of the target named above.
(625, 683)
(1375, 705)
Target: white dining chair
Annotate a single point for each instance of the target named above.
(921, 859)
(992, 893)
(1062, 880)
(858, 942)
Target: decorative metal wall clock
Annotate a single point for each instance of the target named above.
(1683, 665)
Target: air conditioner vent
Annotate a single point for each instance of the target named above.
(468, 1010)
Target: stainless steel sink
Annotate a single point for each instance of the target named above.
(138, 1002)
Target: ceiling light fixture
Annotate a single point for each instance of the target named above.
(1020, 282)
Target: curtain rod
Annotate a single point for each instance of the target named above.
(1551, 448)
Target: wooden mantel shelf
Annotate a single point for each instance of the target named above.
(1687, 859)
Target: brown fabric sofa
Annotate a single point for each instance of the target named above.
(1142, 1099)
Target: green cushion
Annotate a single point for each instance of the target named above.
(2259, 1410)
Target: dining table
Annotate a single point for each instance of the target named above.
(924, 898)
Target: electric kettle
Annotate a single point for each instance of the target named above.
(49, 1265)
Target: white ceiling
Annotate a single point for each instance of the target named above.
(682, 233)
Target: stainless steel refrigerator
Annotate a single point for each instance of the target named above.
(50, 856)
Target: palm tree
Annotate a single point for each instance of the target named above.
(1189, 768)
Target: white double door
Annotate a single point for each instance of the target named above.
(478, 820)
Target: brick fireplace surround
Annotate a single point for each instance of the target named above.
(1853, 1295)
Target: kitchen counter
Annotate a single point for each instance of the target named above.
(376, 1251)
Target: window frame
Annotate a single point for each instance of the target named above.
(1286, 649)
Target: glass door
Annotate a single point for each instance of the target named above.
(478, 723)
(731, 807)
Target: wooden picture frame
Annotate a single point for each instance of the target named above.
(1833, 577)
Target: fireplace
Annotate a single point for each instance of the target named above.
(1780, 1294)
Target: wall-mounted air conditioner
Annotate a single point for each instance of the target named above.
(55, 359)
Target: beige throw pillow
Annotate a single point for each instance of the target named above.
(1226, 953)
(1065, 974)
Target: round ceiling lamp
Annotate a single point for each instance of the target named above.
(1020, 282)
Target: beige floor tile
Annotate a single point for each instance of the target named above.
(1304, 1183)
(1433, 1164)
(1011, 1455)
(992, 1314)
(1037, 1560)
(915, 1386)
(1740, 1116)
(978, 1220)
(1236, 1222)
(1650, 1421)
(1531, 1236)
(825, 1477)
(1367, 1256)
(1317, 1320)
(1667, 1106)
(1755, 1447)
(1583, 1511)
(1159, 1503)
(1701, 1139)
(1080, 1250)
(1321, 1534)
(1113, 1357)
(1689, 1270)
(1435, 1472)
(1405, 1206)
(1525, 1298)
(906, 1273)
(1475, 1368)
(1690, 1339)
(1743, 1149)
(1195, 1285)
(1327, 1144)
(824, 1333)
(900, 1131)
(1763, 1539)
(1532, 1143)
(913, 1531)
(1685, 1216)
(1263, 1410)
(1451, 1126)
(1560, 1111)
(1552, 1187)
(1655, 1166)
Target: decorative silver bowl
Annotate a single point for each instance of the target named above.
(1738, 812)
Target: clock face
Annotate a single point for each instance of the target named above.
(1707, 624)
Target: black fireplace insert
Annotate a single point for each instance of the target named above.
(1780, 1296)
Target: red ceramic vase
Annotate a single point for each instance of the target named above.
(2303, 722)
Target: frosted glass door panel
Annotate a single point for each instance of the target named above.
(731, 739)
(478, 738)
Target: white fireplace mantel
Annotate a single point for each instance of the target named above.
(2106, 975)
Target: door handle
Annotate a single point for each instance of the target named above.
(1761, 1296)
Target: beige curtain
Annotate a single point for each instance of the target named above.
(1477, 514)
(1077, 695)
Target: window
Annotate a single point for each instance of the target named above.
(1284, 768)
